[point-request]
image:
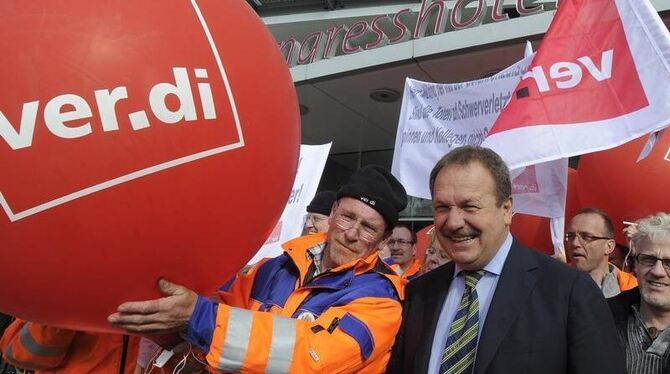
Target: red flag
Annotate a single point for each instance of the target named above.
(600, 78)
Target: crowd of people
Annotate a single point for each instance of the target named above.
(352, 296)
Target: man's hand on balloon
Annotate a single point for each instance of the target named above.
(167, 314)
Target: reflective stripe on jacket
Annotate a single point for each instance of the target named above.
(46, 349)
(344, 320)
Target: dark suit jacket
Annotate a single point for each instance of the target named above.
(544, 318)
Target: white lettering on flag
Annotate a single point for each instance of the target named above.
(608, 82)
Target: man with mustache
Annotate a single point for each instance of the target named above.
(498, 307)
(402, 251)
(642, 315)
(328, 304)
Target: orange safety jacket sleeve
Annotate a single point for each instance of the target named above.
(356, 337)
(33, 346)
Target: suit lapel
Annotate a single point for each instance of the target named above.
(434, 298)
(517, 280)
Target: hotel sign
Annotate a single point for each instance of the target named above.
(433, 17)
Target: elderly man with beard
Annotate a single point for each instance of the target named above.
(328, 304)
(642, 314)
(498, 307)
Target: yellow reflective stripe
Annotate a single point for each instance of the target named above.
(236, 343)
(282, 345)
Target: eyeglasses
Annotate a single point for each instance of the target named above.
(650, 261)
(399, 242)
(583, 237)
(366, 232)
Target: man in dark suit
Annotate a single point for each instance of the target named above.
(498, 307)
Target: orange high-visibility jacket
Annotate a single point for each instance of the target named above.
(413, 270)
(626, 281)
(272, 320)
(47, 349)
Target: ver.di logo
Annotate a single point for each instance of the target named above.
(46, 132)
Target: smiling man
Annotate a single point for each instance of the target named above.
(328, 304)
(589, 240)
(642, 314)
(498, 307)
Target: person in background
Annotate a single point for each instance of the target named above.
(46, 349)
(589, 240)
(436, 256)
(317, 213)
(5, 321)
(642, 314)
(402, 250)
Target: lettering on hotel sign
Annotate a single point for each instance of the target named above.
(388, 29)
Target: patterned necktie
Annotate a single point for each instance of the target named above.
(459, 353)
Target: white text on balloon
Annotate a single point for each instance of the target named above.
(55, 115)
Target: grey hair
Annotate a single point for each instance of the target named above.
(652, 228)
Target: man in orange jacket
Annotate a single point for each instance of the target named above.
(45, 349)
(402, 249)
(328, 304)
(589, 240)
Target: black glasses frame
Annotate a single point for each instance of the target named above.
(585, 237)
(650, 261)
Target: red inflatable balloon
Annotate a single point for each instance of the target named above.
(138, 140)
(627, 190)
(533, 232)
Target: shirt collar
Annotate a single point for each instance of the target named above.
(316, 253)
(496, 264)
(610, 283)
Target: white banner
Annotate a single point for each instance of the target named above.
(436, 118)
(312, 161)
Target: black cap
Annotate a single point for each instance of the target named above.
(376, 187)
(322, 202)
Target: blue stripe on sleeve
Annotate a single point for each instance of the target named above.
(355, 328)
(201, 325)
